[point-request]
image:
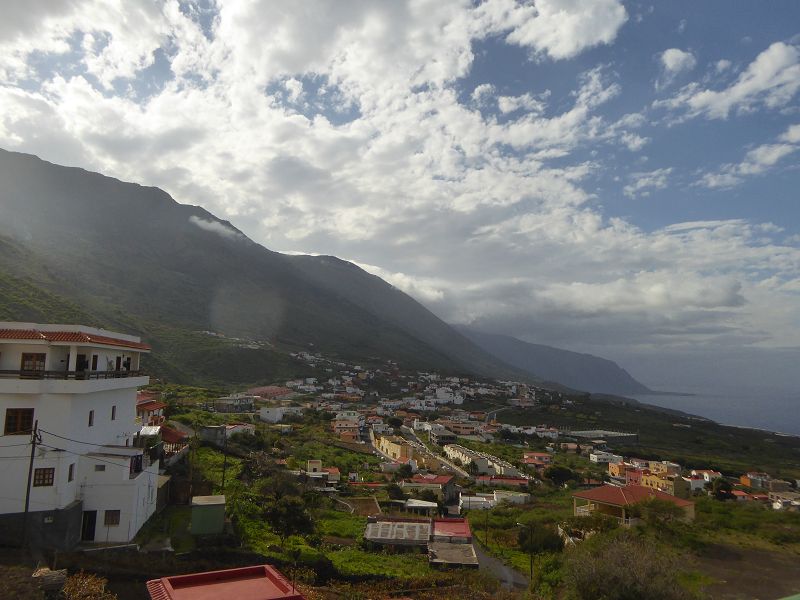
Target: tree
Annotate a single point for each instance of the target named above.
(404, 471)
(559, 475)
(472, 468)
(722, 488)
(395, 492)
(658, 513)
(288, 516)
(539, 538)
(395, 422)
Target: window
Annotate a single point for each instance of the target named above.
(114, 412)
(111, 518)
(32, 362)
(91, 418)
(44, 477)
(19, 421)
(99, 467)
(71, 472)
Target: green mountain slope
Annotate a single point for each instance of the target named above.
(128, 256)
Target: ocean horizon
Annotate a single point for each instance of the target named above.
(771, 410)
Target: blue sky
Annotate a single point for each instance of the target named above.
(606, 176)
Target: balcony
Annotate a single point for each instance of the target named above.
(78, 375)
(68, 382)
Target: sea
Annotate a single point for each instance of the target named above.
(773, 410)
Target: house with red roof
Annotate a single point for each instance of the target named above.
(504, 482)
(87, 480)
(260, 582)
(442, 485)
(617, 501)
(452, 530)
(149, 409)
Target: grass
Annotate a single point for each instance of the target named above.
(355, 562)
(340, 524)
(173, 523)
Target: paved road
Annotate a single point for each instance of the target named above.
(412, 437)
(508, 577)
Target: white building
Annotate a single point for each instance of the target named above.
(77, 385)
(275, 414)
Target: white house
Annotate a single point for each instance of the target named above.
(77, 386)
(275, 414)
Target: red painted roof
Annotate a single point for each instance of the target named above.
(439, 479)
(77, 337)
(260, 582)
(495, 479)
(627, 495)
(451, 528)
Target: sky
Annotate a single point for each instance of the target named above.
(600, 175)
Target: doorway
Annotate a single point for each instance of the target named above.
(88, 525)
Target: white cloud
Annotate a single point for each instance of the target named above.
(343, 129)
(771, 81)
(757, 161)
(641, 184)
(526, 102)
(676, 61)
(217, 227)
(560, 29)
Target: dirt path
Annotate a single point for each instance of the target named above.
(510, 578)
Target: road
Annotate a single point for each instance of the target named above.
(411, 436)
(508, 577)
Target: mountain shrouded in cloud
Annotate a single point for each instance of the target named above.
(595, 175)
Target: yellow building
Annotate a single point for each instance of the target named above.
(395, 447)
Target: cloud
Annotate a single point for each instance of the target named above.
(560, 30)
(757, 161)
(770, 81)
(218, 227)
(367, 130)
(674, 62)
(641, 184)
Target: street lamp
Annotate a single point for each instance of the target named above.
(530, 544)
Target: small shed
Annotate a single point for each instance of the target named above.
(208, 515)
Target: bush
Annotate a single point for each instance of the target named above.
(541, 538)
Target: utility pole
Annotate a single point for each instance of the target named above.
(36, 438)
(530, 544)
(224, 454)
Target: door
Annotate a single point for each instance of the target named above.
(119, 363)
(80, 366)
(88, 525)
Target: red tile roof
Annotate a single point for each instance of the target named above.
(437, 479)
(260, 582)
(451, 528)
(77, 337)
(627, 495)
(150, 405)
(172, 436)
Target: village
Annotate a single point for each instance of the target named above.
(356, 474)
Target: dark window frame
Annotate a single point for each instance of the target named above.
(111, 518)
(16, 421)
(44, 477)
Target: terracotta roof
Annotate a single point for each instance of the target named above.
(150, 405)
(261, 582)
(437, 479)
(77, 337)
(627, 495)
(172, 436)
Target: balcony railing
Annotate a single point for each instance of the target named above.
(78, 375)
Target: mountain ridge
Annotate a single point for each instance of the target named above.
(136, 258)
(576, 370)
